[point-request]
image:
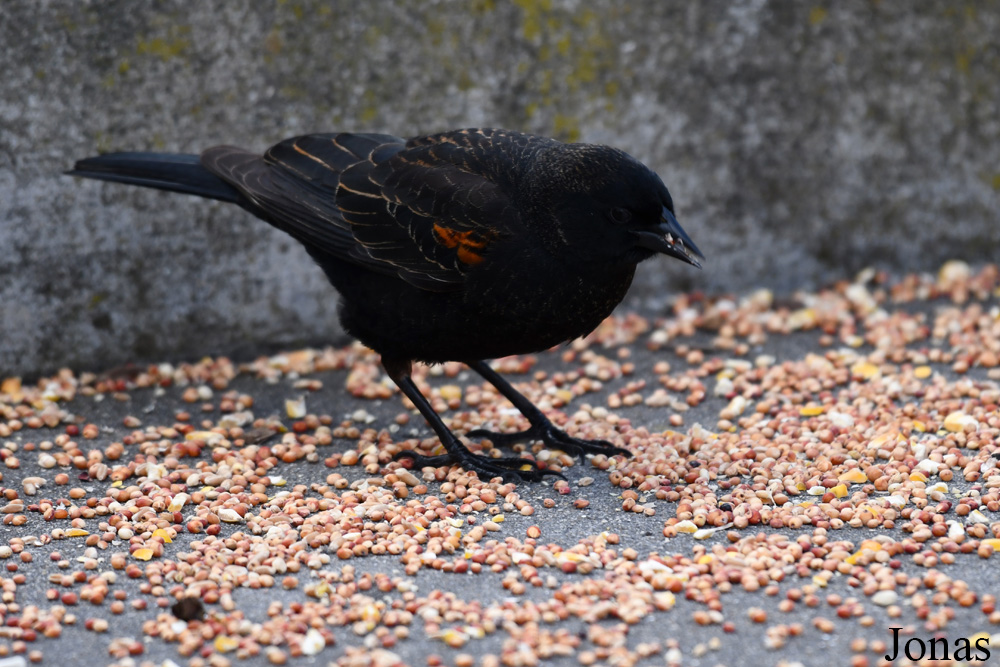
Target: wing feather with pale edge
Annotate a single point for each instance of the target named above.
(425, 210)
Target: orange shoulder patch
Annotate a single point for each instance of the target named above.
(467, 243)
(468, 256)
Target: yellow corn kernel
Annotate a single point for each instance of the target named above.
(686, 526)
(853, 476)
(865, 369)
(224, 644)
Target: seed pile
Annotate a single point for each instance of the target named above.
(842, 486)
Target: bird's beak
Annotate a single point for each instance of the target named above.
(668, 238)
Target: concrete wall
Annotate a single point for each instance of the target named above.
(800, 141)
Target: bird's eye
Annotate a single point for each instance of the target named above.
(620, 215)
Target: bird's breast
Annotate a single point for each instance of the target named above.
(504, 308)
(536, 310)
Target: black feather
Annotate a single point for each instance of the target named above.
(175, 172)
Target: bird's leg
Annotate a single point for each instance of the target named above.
(541, 428)
(509, 468)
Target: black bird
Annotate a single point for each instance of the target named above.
(461, 246)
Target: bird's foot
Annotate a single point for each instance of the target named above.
(510, 468)
(553, 437)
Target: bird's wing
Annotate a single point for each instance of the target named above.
(425, 210)
(296, 192)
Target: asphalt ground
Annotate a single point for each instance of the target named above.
(676, 635)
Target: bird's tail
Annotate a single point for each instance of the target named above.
(164, 171)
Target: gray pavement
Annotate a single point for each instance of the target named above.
(562, 524)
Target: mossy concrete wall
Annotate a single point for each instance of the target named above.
(800, 140)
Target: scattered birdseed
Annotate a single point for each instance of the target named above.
(856, 476)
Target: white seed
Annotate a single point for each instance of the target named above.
(885, 598)
(229, 515)
(296, 408)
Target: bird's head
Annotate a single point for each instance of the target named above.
(604, 205)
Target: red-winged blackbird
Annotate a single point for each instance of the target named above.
(461, 246)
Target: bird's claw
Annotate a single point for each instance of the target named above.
(553, 438)
(509, 468)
